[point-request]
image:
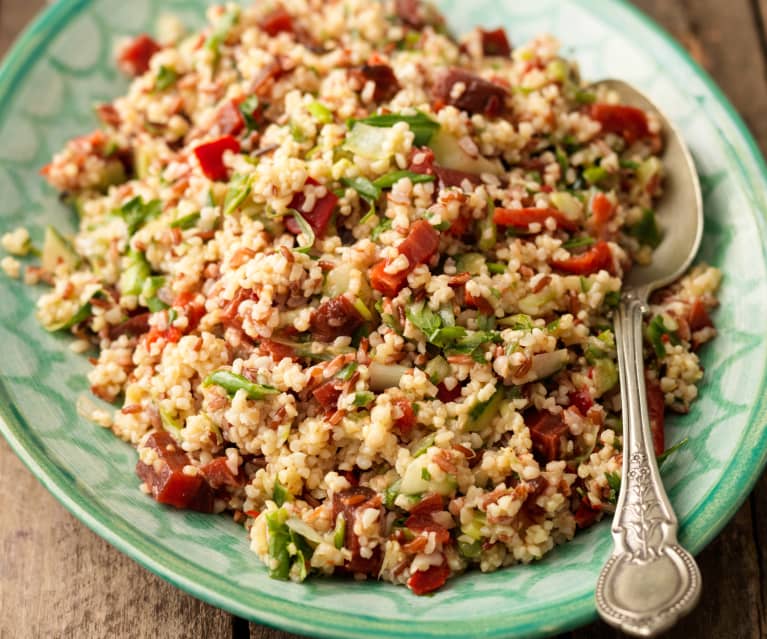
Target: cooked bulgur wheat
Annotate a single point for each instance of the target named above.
(351, 280)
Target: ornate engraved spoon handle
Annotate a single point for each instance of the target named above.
(650, 580)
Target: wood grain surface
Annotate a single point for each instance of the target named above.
(58, 579)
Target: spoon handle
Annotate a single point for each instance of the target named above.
(650, 581)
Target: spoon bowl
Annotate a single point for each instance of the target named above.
(680, 211)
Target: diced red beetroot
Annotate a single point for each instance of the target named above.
(265, 78)
(210, 155)
(480, 303)
(582, 400)
(278, 21)
(382, 75)
(425, 581)
(628, 122)
(522, 218)
(407, 421)
(699, 317)
(430, 504)
(134, 57)
(495, 43)
(447, 396)
(134, 326)
(422, 161)
(546, 431)
(327, 394)
(411, 13)
(229, 119)
(423, 522)
(108, 114)
(218, 474)
(319, 217)
(349, 502)
(454, 177)
(277, 351)
(460, 225)
(586, 514)
(479, 95)
(167, 480)
(421, 244)
(419, 247)
(656, 408)
(334, 318)
(597, 258)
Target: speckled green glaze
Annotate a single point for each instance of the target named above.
(62, 65)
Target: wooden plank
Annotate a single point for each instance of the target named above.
(14, 16)
(727, 38)
(61, 580)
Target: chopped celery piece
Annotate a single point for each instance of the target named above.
(482, 414)
(58, 251)
(437, 369)
(470, 263)
(134, 274)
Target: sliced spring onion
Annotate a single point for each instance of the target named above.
(280, 494)
(594, 174)
(578, 242)
(390, 179)
(238, 190)
(232, 382)
(422, 126)
(362, 309)
(320, 112)
(366, 189)
(186, 222)
(345, 374)
(363, 399)
(306, 230)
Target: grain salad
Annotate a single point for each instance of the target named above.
(350, 279)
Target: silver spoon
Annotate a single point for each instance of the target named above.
(650, 581)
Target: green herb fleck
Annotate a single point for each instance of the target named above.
(646, 231)
(166, 77)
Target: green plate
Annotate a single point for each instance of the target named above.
(62, 65)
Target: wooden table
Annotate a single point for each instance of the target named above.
(58, 579)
